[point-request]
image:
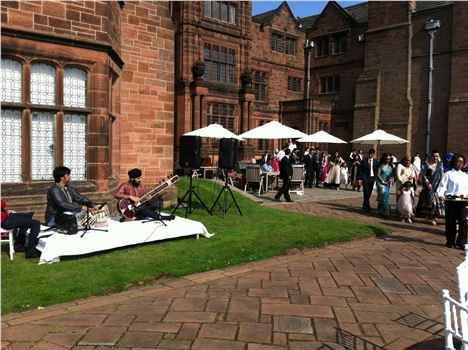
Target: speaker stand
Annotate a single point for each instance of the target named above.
(190, 191)
(226, 188)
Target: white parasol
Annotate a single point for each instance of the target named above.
(215, 131)
(380, 137)
(321, 137)
(273, 130)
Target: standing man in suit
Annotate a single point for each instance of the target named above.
(317, 165)
(369, 168)
(286, 172)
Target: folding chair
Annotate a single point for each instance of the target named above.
(253, 175)
(298, 178)
(7, 236)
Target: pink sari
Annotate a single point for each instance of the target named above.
(324, 172)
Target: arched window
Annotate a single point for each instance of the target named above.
(42, 84)
(10, 125)
(11, 80)
(74, 87)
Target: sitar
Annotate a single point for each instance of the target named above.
(128, 209)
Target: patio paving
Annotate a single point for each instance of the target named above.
(374, 293)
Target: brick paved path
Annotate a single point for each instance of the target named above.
(376, 293)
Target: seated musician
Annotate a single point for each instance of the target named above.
(25, 241)
(453, 188)
(62, 197)
(133, 190)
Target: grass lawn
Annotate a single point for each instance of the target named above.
(260, 233)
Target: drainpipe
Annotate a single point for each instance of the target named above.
(431, 28)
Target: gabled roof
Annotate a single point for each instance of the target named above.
(266, 18)
(357, 13)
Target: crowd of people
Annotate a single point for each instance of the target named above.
(442, 183)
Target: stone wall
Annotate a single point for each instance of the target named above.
(146, 121)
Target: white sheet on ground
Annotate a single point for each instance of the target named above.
(53, 245)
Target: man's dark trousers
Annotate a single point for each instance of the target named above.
(284, 190)
(455, 211)
(24, 221)
(368, 187)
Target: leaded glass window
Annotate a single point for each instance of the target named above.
(42, 145)
(74, 144)
(232, 14)
(42, 84)
(11, 80)
(11, 145)
(74, 87)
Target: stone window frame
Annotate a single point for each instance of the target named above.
(331, 44)
(329, 84)
(283, 43)
(57, 109)
(214, 64)
(294, 84)
(209, 11)
(213, 117)
(257, 84)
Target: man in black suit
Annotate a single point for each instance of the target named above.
(317, 165)
(309, 169)
(369, 168)
(286, 172)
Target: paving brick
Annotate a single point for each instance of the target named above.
(140, 339)
(174, 344)
(188, 304)
(219, 331)
(217, 344)
(189, 331)
(119, 320)
(390, 285)
(369, 295)
(23, 333)
(297, 310)
(65, 340)
(189, 316)
(290, 324)
(162, 327)
(279, 338)
(103, 336)
(255, 333)
(42, 345)
(264, 347)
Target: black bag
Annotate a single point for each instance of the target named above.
(66, 224)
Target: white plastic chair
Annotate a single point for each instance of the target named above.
(10, 241)
(457, 311)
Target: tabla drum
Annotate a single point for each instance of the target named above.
(97, 218)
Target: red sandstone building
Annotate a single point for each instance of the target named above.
(102, 87)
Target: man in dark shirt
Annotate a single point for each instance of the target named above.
(62, 197)
(286, 172)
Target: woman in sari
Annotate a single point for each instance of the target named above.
(324, 172)
(383, 183)
(431, 173)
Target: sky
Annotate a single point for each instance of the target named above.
(299, 8)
